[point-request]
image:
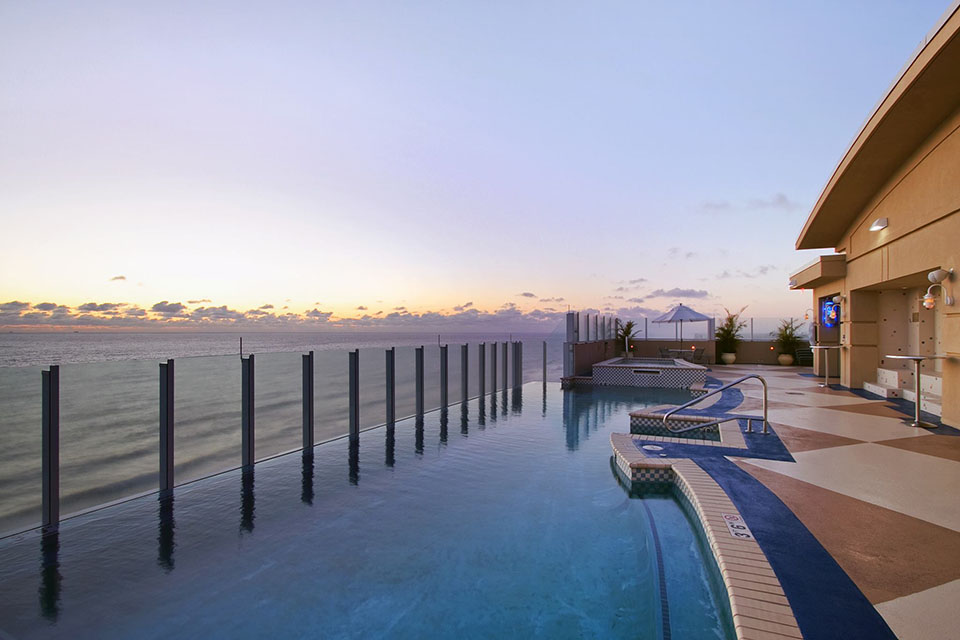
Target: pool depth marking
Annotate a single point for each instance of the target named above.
(737, 527)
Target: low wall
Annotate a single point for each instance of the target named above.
(587, 354)
(753, 352)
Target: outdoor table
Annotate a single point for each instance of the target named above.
(826, 362)
(916, 405)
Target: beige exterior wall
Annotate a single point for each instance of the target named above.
(886, 270)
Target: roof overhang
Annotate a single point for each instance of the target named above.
(824, 270)
(926, 92)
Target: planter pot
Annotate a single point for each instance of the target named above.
(785, 359)
(728, 358)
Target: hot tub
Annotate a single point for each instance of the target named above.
(650, 372)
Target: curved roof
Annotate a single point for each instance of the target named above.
(923, 96)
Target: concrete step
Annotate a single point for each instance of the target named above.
(882, 390)
(931, 383)
(899, 378)
(929, 402)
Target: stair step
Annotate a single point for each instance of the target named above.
(931, 383)
(929, 402)
(894, 377)
(882, 390)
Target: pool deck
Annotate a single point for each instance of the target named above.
(878, 495)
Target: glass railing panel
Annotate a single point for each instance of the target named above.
(207, 416)
(20, 448)
(454, 384)
(278, 402)
(331, 383)
(431, 375)
(109, 432)
(406, 401)
(373, 403)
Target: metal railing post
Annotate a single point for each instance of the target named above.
(482, 367)
(50, 424)
(247, 449)
(391, 385)
(444, 377)
(544, 361)
(464, 373)
(354, 395)
(493, 367)
(166, 425)
(307, 410)
(418, 352)
(504, 365)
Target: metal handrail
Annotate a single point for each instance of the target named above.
(716, 391)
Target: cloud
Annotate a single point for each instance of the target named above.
(635, 300)
(265, 306)
(45, 306)
(216, 314)
(93, 306)
(168, 308)
(463, 307)
(778, 201)
(679, 293)
(205, 300)
(762, 270)
(527, 294)
(316, 314)
(399, 308)
(676, 252)
(361, 308)
(715, 205)
(14, 305)
(613, 297)
(117, 278)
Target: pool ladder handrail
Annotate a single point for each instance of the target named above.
(749, 419)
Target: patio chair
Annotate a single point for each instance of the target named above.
(698, 355)
(665, 353)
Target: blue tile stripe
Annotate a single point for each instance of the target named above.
(661, 575)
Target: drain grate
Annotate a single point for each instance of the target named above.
(652, 447)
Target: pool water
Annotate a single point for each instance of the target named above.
(502, 518)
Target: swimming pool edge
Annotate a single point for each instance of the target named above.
(759, 606)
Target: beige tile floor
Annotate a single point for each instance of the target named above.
(885, 506)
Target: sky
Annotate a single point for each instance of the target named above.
(386, 164)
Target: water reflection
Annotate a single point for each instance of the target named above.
(247, 500)
(517, 404)
(493, 407)
(418, 430)
(391, 445)
(543, 407)
(50, 577)
(481, 412)
(464, 419)
(444, 420)
(166, 525)
(354, 461)
(306, 478)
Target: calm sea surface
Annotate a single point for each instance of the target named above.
(109, 389)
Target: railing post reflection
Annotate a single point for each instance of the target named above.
(464, 419)
(481, 411)
(444, 373)
(247, 500)
(165, 540)
(307, 392)
(418, 434)
(517, 400)
(50, 577)
(354, 462)
(444, 423)
(464, 373)
(247, 453)
(50, 462)
(306, 478)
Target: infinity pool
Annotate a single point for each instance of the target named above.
(498, 519)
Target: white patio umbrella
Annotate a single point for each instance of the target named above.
(681, 314)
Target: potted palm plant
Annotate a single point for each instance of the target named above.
(625, 335)
(728, 336)
(788, 340)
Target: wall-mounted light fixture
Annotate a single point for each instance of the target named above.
(837, 299)
(878, 224)
(937, 277)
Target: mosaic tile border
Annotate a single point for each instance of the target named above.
(649, 425)
(759, 606)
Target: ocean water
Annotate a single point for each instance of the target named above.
(109, 401)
